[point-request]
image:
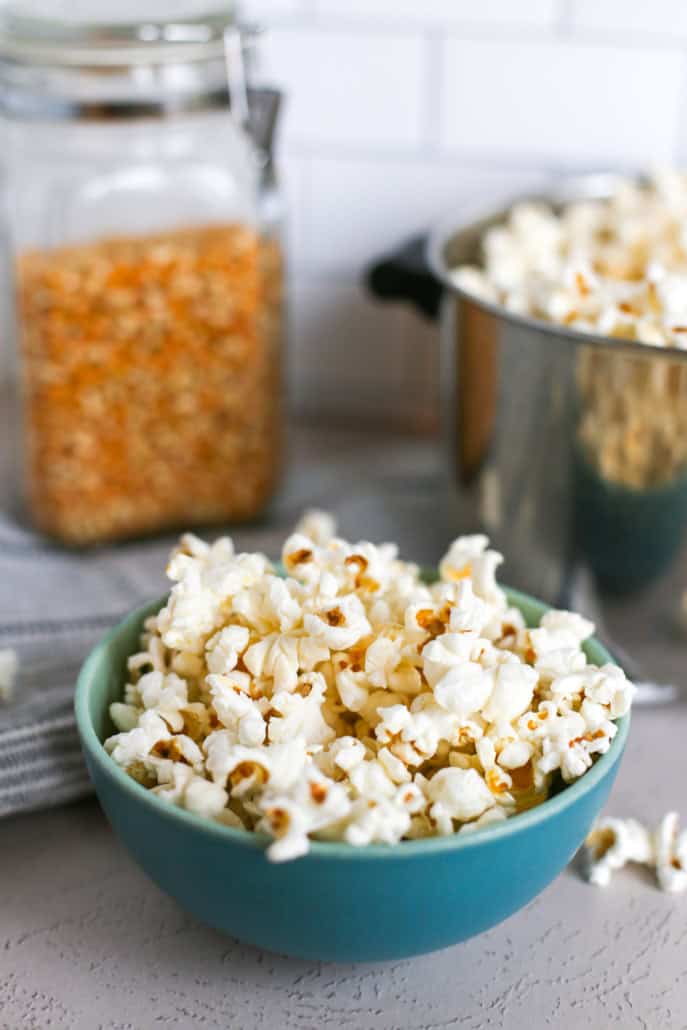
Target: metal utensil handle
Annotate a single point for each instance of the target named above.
(237, 82)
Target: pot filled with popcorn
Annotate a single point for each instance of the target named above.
(564, 347)
(144, 252)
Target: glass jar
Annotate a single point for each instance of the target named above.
(143, 229)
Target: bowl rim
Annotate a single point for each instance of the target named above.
(324, 849)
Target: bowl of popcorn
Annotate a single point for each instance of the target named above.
(339, 757)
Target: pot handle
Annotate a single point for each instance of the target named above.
(405, 275)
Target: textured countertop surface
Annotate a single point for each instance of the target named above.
(87, 942)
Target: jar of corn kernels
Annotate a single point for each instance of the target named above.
(144, 250)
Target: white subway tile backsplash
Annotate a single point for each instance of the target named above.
(666, 18)
(266, 9)
(580, 104)
(348, 88)
(400, 111)
(440, 12)
(359, 208)
(294, 179)
(350, 354)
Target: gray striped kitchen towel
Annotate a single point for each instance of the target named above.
(54, 605)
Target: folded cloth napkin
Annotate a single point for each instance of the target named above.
(54, 606)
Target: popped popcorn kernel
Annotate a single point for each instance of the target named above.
(614, 842)
(670, 854)
(9, 665)
(353, 701)
(611, 844)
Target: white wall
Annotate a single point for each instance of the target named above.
(401, 110)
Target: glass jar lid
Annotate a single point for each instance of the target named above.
(114, 59)
(85, 33)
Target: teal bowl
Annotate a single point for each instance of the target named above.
(338, 902)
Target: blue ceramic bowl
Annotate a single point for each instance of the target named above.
(337, 902)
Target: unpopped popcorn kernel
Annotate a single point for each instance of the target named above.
(353, 701)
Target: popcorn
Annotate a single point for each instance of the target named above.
(464, 689)
(617, 268)
(468, 557)
(382, 658)
(670, 855)
(457, 795)
(614, 842)
(609, 687)
(205, 798)
(347, 752)
(603, 266)
(384, 821)
(352, 701)
(314, 803)
(137, 744)
(223, 650)
(320, 526)
(9, 664)
(515, 754)
(125, 717)
(339, 623)
(180, 785)
(299, 714)
(512, 693)
(235, 709)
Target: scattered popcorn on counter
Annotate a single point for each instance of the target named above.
(670, 854)
(9, 666)
(614, 842)
(351, 700)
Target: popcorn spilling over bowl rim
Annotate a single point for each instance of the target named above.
(323, 784)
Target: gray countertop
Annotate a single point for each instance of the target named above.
(87, 942)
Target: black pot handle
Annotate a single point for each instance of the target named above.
(406, 275)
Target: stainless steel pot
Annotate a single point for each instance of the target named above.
(533, 462)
